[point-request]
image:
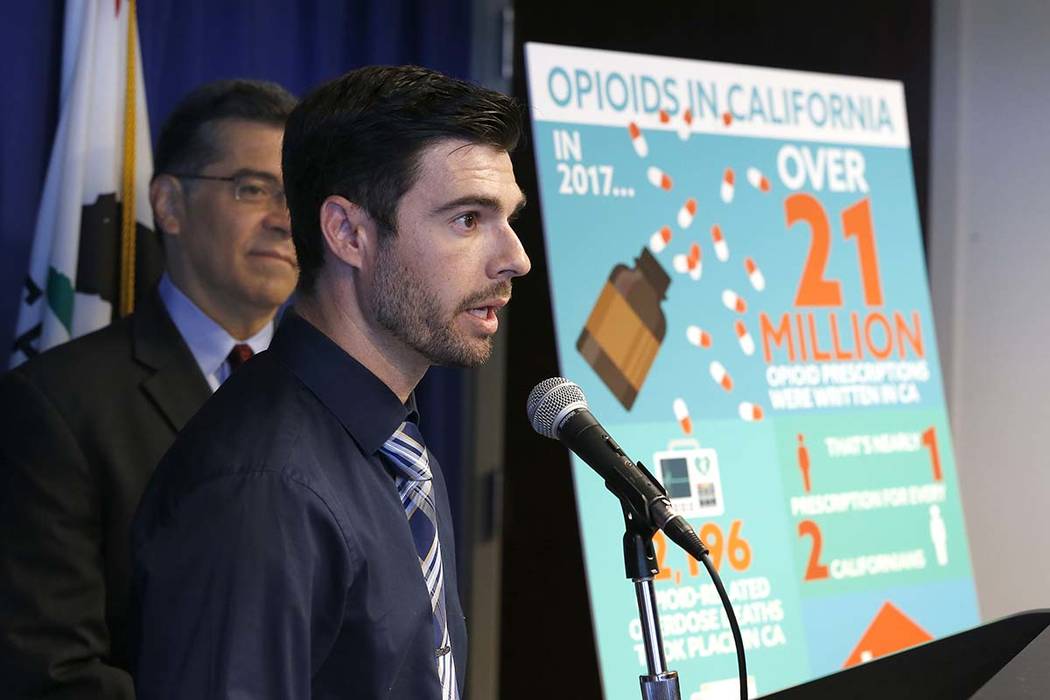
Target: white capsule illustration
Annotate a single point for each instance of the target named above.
(695, 265)
(686, 213)
(728, 185)
(749, 412)
(721, 375)
(659, 240)
(658, 178)
(747, 343)
(754, 275)
(720, 245)
(733, 301)
(686, 125)
(757, 179)
(698, 336)
(638, 140)
(681, 414)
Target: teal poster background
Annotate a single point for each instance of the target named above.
(820, 441)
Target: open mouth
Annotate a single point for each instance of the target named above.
(485, 313)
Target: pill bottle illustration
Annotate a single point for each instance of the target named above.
(627, 326)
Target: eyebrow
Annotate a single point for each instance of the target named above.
(256, 173)
(481, 202)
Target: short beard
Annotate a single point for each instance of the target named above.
(406, 307)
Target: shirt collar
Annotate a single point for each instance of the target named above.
(209, 342)
(366, 407)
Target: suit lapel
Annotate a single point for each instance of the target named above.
(176, 386)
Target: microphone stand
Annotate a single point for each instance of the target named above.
(640, 564)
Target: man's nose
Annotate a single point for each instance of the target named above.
(279, 218)
(514, 261)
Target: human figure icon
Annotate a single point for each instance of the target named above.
(803, 462)
(939, 535)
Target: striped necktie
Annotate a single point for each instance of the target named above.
(405, 451)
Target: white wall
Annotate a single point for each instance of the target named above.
(990, 279)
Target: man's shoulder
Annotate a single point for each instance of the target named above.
(87, 369)
(84, 357)
(261, 419)
(260, 428)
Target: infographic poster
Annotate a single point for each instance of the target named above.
(739, 288)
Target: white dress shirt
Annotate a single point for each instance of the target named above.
(209, 342)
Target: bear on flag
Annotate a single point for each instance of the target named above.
(93, 249)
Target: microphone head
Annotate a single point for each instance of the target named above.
(550, 402)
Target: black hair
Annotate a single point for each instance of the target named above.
(361, 135)
(187, 140)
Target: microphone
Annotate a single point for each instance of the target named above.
(557, 409)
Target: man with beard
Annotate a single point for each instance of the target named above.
(296, 541)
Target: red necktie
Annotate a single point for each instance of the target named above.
(239, 355)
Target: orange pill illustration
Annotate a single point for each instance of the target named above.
(686, 125)
(749, 412)
(686, 213)
(747, 343)
(698, 336)
(754, 275)
(733, 301)
(721, 375)
(695, 265)
(689, 264)
(681, 414)
(728, 185)
(659, 240)
(658, 178)
(638, 140)
(721, 247)
(757, 179)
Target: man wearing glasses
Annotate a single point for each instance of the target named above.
(85, 423)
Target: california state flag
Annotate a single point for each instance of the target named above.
(82, 272)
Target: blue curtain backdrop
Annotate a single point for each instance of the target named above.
(297, 43)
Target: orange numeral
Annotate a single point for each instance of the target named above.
(856, 221)
(813, 289)
(739, 549)
(814, 569)
(929, 439)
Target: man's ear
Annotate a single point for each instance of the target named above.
(350, 233)
(166, 199)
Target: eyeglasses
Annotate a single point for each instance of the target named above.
(251, 188)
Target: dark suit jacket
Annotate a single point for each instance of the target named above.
(81, 428)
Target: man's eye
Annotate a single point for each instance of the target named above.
(469, 220)
(252, 190)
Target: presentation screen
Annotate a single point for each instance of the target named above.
(739, 287)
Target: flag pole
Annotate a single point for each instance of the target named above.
(127, 257)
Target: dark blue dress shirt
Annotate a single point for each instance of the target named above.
(272, 556)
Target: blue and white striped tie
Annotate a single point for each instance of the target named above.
(415, 484)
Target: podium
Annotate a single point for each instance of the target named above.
(1002, 660)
